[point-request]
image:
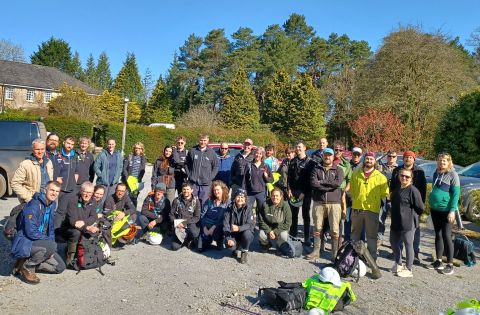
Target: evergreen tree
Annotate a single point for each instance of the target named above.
(159, 105)
(189, 66)
(274, 108)
(240, 107)
(54, 53)
(110, 107)
(76, 67)
(90, 73)
(244, 52)
(147, 83)
(128, 82)
(176, 89)
(103, 74)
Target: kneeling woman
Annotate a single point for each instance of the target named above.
(212, 216)
(154, 216)
(238, 226)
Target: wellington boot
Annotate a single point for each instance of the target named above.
(28, 276)
(369, 260)
(316, 249)
(334, 249)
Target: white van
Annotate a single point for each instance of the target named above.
(168, 126)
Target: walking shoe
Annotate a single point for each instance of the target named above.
(448, 270)
(416, 260)
(28, 276)
(405, 273)
(244, 258)
(397, 268)
(437, 265)
(313, 255)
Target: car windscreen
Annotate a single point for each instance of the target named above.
(14, 134)
(471, 170)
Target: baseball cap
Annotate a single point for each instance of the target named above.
(357, 150)
(327, 151)
(161, 186)
(248, 140)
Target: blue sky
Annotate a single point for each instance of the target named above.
(154, 30)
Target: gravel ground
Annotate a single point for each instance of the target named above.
(154, 280)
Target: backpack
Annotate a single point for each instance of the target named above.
(347, 261)
(89, 254)
(292, 248)
(289, 296)
(463, 250)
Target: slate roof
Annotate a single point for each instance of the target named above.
(40, 77)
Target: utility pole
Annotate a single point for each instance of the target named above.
(124, 132)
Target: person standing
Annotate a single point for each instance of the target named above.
(65, 171)
(270, 160)
(240, 162)
(164, 172)
(443, 205)
(318, 154)
(407, 206)
(52, 143)
(86, 173)
(355, 163)
(257, 175)
(325, 181)
(179, 159)
(299, 187)
(368, 187)
(282, 183)
(225, 161)
(108, 167)
(133, 171)
(420, 182)
(201, 167)
(34, 245)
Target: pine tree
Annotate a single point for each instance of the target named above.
(54, 53)
(128, 82)
(90, 73)
(240, 107)
(274, 109)
(103, 74)
(159, 105)
(176, 88)
(76, 67)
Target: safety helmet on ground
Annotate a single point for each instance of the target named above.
(154, 238)
(362, 268)
(296, 201)
(316, 311)
(328, 274)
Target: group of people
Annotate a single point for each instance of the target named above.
(203, 199)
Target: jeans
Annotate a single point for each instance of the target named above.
(242, 240)
(307, 200)
(200, 191)
(259, 198)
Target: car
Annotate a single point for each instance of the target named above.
(15, 145)
(470, 181)
(429, 168)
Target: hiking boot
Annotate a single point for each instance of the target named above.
(448, 270)
(437, 265)
(397, 268)
(244, 258)
(28, 276)
(18, 266)
(405, 273)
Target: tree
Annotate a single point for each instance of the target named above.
(240, 107)
(103, 74)
(54, 53)
(417, 76)
(244, 52)
(10, 51)
(189, 69)
(459, 131)
(274, 109)
(74, 102)
(128, 82)
(176, 89)
(90, 73)
(379, 131)
(76, 67)
(147, 83)
(159, 106)
(201, 116)
(110, 107)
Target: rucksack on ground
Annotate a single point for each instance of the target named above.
(89, 254)
(287, 297)
(346, 261)
(293, 248)
(463, 250)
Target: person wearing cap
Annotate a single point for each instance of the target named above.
(225, 161)
(355, 163)
(299, 186)
(325, 181)
(275, 220)
(201, 167)
(419, 181)
(185, 215)
(238, 226)
(239, 165)
(154, 215)
(368, 187)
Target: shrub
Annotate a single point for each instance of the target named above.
(69, 126)
(16, 114)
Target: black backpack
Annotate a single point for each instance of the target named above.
(463, 250)
(288, 297)
(347, 260)
(89, 254)
(293, 248)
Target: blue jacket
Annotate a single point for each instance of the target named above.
(224, 169)
(101, 168)
(65, 166)
(35, 222)
(213, 215)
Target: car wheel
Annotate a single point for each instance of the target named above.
(3, 185)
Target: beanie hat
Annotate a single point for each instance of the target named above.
(371, 154)
(409, 153)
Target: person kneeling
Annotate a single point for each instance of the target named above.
(275, 220)
(34, 244)
(185, 215)
(238, 226)
(155, 211)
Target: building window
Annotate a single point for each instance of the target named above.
(9, 93)
(30, 94)
(47, 96)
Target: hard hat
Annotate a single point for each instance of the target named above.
(296, 201)
(154, 238)
(105, 249)
(316, 311)
(328, 274)
(361, 267)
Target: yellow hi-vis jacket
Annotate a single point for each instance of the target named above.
(367, 193)
(324, 295)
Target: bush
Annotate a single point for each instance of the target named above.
(16, 114)
(68, 126)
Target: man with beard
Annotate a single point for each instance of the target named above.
(240, 162)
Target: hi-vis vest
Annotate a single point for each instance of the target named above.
(324, 295)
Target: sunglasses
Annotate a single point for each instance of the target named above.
(405, 176)
(223, 148)
(180, 142)
(392, 156)
(338, 150)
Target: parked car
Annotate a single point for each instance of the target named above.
(15, 145)
(470, 181)
(430, 167)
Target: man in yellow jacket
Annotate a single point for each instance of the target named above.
(367, 187)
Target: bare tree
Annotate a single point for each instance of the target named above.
(10, 51)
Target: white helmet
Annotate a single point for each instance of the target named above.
(362, 268)
(105, 249)
(316, 311)
(328, 274)
(154, 238)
